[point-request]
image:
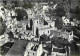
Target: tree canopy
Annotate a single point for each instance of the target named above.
(2, 29)
(2, 26)
(59, 23)
(21, 14)
(27, 5)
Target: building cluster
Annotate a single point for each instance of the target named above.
(39, 29)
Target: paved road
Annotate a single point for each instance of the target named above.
(18, 48)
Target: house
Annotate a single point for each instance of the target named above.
(33, 49)
(44, 30)
(42, 26)
(45, 8)
(35, 25)
(51, 24)
(2, 12)
(72, 22)
(30, 13)
(58, 51)
(64, 34)
(53, 50)
(66, 21)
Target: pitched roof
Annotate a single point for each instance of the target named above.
(18, 48)
(59, 50)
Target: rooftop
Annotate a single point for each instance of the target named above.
(44, 27)
(59, 33)
(59, 50)
(18, 48)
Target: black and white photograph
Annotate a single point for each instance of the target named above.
(39, 27)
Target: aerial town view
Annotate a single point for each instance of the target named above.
(39, 27)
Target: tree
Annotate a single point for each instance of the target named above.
(1, 20)
(21, 14)
(2, 28)
(59, 23)
(16, 4)
(13, 6)
(59, 12)
(44, 38)
(28, 5)
(11, 35)
(4, 2)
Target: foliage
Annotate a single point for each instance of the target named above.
(60, 12)
(59, 23)
(74, 54)
(5, 2)
(16, 4)
(76, 10)
(27, 5)
(12, 5)
(2, 26)
(1, 20)
(11, 35)
(21, 14)
(44, 38)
